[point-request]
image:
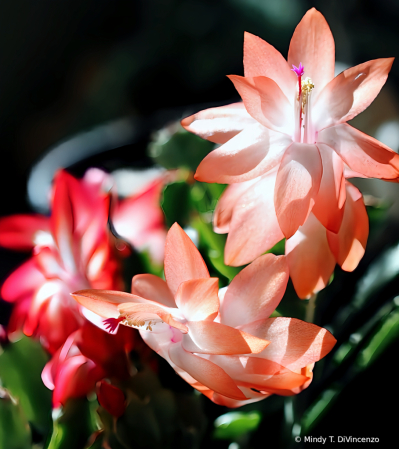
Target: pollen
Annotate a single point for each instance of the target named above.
(137, 322)
(307, 87)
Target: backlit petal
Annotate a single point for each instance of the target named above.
(198, 299)
(254, 227)
(348, 246)
(351, 92)
(266, 102)
(293, 343)
(206, 372)
(297, 186)
(309, 258)
(219, 124)
(362, 153)
(182, 259)
(254, 151)
(312, 44)
(256, 291)
(154, 288)
(330, 201)
(19, 231)
(208, 337)
(262, 59)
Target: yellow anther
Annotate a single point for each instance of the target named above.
(307, 86)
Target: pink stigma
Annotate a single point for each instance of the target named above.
(298, 70)
(112, 323)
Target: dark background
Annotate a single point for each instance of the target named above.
(69, 65)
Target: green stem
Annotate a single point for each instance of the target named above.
(311, 308)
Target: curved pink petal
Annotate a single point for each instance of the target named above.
(351, 92)
(266, 102)
(254, 227)
(224, 208)
(330, 201)
(349, 245)
(258, 373)
(154, 288)
(19, 231)
(312, 44)
(198, 299)
(147, 315)
(249, 154)
(293, 343)
(362, 153)
(22, 282)
(256, 291)
(206, 372)
(309, 258)
(262, 59)
(219, 124)
(182, 259)
(105, 302)
(297, 186)
(208, 337)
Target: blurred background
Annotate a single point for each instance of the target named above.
(87, 83)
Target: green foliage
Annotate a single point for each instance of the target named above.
(175, 203)
(173, 147)
(234, 425)
(72, 428)
(21, 365)
(14, 427)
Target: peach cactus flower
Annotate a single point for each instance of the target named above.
(246, 212)
(297, 127)
(226, 348)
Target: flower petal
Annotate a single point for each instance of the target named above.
(266, 102)
(154, 288)
(23, 281)
(330, 201)
(219, 124)
(208, 337)
(309, 258)
(105, 302)
(262, 59)
(226, 204)
(362, 153)
(256, 291)
(206, 372)
(312, 44)
(137, 314)
(293, 343)
(198, 299)
(18, 231)
(297, 186)
(351, 92)
(258, 373)
(254, 228)
(62, 220)
(348, 246)
(254, 151)
(182, 259)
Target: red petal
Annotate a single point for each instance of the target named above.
(18, 231)
(111, 398)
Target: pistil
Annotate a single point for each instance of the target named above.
(302, 107)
